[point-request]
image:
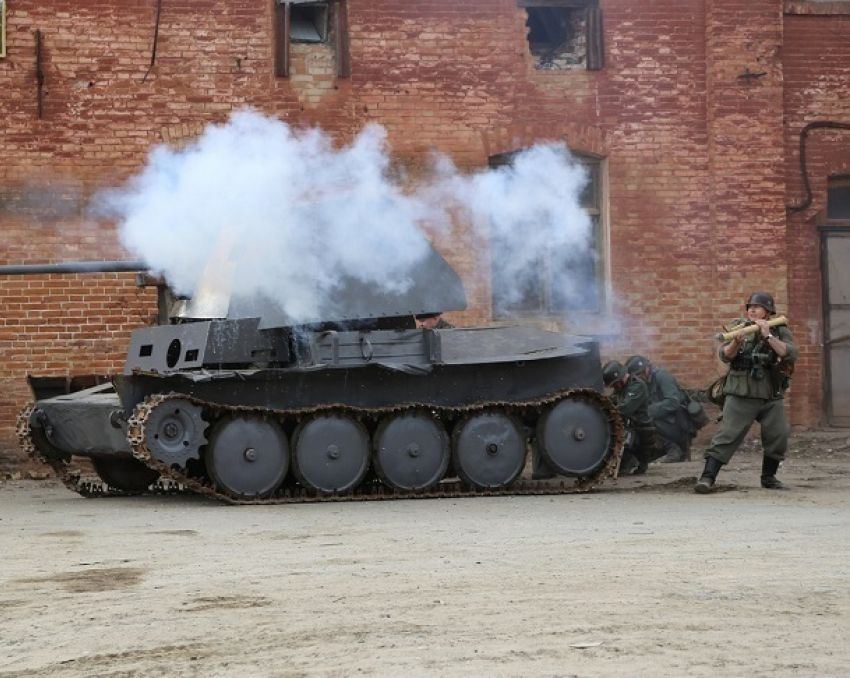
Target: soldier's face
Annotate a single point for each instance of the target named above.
(755, 312)
(429, 323)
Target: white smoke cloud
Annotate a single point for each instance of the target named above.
(532, 213)
(296, 216)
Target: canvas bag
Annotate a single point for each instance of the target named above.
(714, 392)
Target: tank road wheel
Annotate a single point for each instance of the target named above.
(174, 431)
(488, 449)
(126, 474)
(573, 437)
(247, 456)
(330, 453)
(411, 451)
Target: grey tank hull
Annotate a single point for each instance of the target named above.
(442, 369)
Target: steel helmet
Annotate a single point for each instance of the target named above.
(762, 299)
(637, 364)
(612, 371)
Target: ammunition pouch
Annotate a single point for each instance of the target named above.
(742, 363)
(756, 363)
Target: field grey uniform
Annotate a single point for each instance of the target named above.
(633, 403)
(667, 411)
(753, 393)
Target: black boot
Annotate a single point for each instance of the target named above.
(675, 454)
(542, 472)
(769, 467)
(642, 462)
(705, 484)
(628, 464)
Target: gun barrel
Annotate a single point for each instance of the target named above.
(751, 329)
(74, 267)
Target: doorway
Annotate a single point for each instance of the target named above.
(835, 267)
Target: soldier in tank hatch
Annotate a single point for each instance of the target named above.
(432, 321)
(760, 362)
(631, 396)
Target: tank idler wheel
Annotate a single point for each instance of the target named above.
(124, 473)
(573, 437)
(411, 451)
(248, 456)
(488, 449)
(330, 453)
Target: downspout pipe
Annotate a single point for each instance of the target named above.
(75, 267)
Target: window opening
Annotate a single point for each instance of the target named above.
(564, 34)
(838, 199)
(563, 278)
(309, 23)
(323, 24)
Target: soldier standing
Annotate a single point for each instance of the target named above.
(755, 389)
(667, 409)
(632, 399)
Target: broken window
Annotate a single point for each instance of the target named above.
(556, 278)
(838, 199)
(564, 34)
(310, 22)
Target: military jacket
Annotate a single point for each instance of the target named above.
(633, 400)
(753, 372)
(666, 397)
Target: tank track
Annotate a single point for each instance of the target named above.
(89, 486)
(174, 480)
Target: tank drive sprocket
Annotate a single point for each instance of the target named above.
(171, 428)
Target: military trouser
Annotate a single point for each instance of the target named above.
(673, 431)
(649, 449)
(674, 440)
(673, 450)
(738, 416)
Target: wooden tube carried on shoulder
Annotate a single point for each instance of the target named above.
(751, 329)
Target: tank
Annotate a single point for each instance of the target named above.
(236, 400)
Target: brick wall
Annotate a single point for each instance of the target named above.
(696, 115)
(816, 52)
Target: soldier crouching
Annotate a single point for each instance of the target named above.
(632, 399)
(668, 404)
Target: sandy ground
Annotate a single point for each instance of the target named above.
(640, 578)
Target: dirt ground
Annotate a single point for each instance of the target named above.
(641, 578)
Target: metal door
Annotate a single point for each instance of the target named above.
(835, 265)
